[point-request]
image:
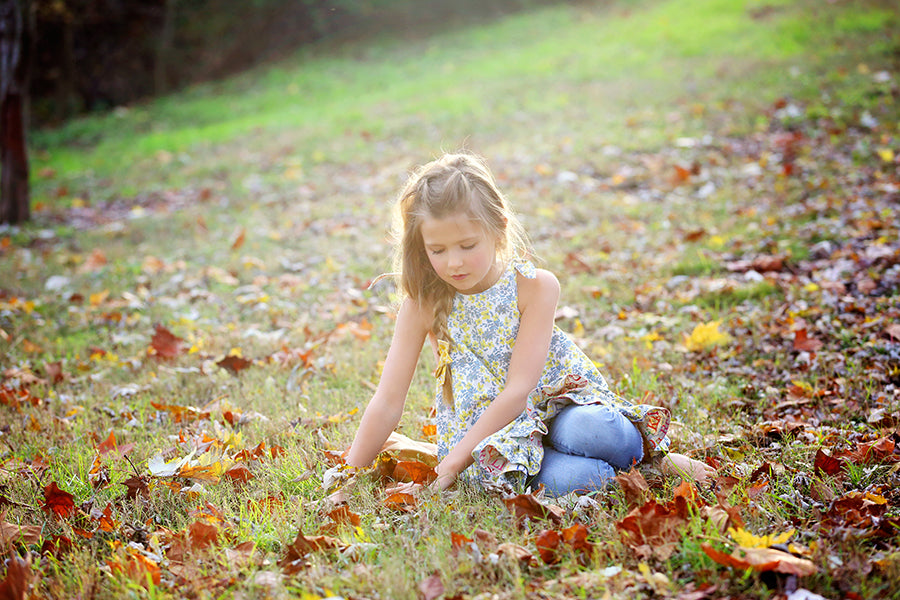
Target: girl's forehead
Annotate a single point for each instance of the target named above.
(451, 227)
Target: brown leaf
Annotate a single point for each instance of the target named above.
(576, 537)
(58, 502)
(165, 344)
(18, 576)
(634, 487)
(293, 561)
(106, 521)
(12, 533)
(654, 525)
(54, 372)
(803, 343)
(431, 587)
(892, 332)
(202, 534)
(344, 516)
(235, 364)
(526, 506)
(827, 464)
(239, 473)
(136, 485)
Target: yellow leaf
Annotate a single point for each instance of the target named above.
(886, 154)
(705, 336)
(748, 540)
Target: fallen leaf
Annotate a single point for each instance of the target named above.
(165, 344)
(526, 507)
(705, 336)
(431, 587)
(58, 502)
(18, 577)
(235, 364)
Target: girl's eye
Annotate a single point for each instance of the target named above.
(469, 247)
(436, 251)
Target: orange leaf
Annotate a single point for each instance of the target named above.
(58, 502)
(401, 502)
(107, 523)
(109, 445)
(547, 543)
(414, 471)
(239, 237)
(138, 568)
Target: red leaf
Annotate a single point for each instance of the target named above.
(165, 343)
(58, 502)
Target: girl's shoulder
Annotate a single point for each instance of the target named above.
(415, 313)
(541, 288)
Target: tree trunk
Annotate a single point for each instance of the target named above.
(14, 200)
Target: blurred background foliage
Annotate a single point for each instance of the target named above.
(93, 55)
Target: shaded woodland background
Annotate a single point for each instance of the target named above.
(93, 55)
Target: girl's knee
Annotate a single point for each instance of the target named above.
(597, 431)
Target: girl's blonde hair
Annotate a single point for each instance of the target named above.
(450, 185)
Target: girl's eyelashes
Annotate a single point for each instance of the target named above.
(435, 251)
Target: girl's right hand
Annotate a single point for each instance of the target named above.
(408, 487)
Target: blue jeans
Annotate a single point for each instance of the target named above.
(584, 446)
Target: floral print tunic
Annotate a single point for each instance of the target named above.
(483, 328)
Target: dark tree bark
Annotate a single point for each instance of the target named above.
(14, 46)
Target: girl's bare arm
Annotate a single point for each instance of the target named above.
(537, 305)
(386, 406)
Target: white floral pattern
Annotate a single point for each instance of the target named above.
(483, 328)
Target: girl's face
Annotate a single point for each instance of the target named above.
(461, 252)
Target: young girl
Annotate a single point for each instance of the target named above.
(517, 400)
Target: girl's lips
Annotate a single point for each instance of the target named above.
(458, 277)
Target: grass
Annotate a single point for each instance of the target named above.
(248, 215)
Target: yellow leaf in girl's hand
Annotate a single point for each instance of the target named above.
(748, 540)
(705, 336)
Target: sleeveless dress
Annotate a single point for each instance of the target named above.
(483, 328)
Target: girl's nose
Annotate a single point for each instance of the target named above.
(454, 260)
